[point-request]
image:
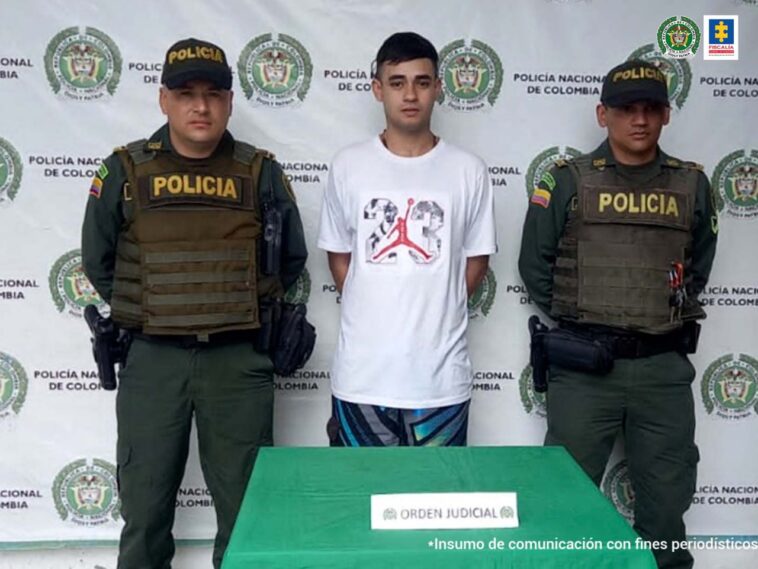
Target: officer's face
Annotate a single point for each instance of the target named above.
(408, 91)
(634, 129)
(197, 113)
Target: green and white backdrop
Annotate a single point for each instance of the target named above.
(78, 78)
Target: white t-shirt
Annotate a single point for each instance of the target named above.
(410, 224)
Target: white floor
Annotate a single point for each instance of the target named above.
(200, 558)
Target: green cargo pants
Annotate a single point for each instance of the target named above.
(650, 401)
(228, 388)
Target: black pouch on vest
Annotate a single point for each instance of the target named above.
(572, 351)
(269, 313)
(295, 338)
(690, 337)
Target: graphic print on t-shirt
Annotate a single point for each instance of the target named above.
(414, 232)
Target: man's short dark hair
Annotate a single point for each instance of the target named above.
(404, 46)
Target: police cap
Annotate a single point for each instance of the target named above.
(632, 81)
(191, 59)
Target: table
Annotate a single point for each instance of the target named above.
(310, 508)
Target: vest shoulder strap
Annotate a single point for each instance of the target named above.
(137, 152)
(246, 153)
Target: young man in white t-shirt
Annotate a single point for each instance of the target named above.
(408, 224)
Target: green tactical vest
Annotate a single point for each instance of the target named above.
(614, 257)
(186, 260)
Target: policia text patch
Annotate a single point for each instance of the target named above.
(193, 188)
(653, 206)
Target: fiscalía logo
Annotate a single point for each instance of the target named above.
(11, 169)
(471, 75)
(617, 486)
(542, 163)
(678, 37)
(730, 387)
(534, 403)
(722, 33)
(13, 385)
(70, 287)
(480, 303)
(735, 181)
(677, 71)
(83, 62)
(300, 291)
(275, 70)
(88, 492)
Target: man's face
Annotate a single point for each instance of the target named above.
(197, 113)
(408, 91)
(634, 129)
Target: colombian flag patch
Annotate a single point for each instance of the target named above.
(540, 197)
(96, 187)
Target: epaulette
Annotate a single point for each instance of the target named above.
(137, 151)
(266, 153)
(599, 163)
(674, 163)
(695, 166)
(561, 163)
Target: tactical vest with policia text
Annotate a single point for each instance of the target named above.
(619, 244)
(186, 261)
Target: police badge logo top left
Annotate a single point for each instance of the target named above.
(13, 385)
(275, 70)
(86, 492)
(471, 75)
(678, 37)
(480, 303)
(83, 64)
(617, 486)
(300, 291)
(70, 288)
(534, 403)
(11, 168)
(735, 183)
(729, 387)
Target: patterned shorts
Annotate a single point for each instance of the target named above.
(356, 425)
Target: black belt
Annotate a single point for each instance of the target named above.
(199, 340)
(630, 345)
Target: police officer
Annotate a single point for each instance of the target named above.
(616, 246)
(171, 239)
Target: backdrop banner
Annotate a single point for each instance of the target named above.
(521, 80)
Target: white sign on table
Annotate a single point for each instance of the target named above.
(448, 510)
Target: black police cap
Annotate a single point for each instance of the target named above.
(192, 59)
(632, 81)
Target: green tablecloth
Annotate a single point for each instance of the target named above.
(310, 508)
